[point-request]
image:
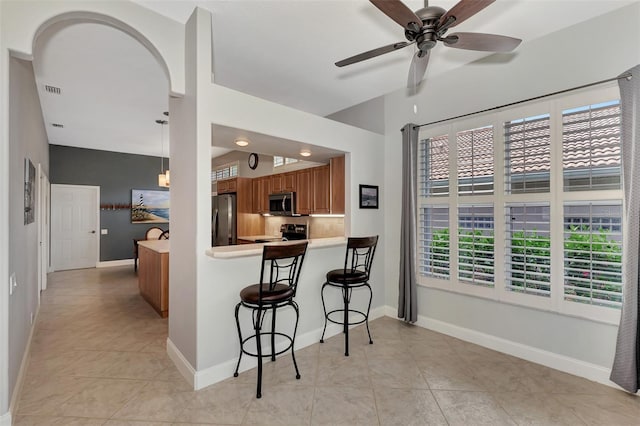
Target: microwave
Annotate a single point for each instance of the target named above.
(283, 204)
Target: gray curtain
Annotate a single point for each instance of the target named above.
(407, 297)
(625, 364)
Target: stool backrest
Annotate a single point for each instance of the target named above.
(153, 233)
(360, 251)
(164, 235)
(284, 265)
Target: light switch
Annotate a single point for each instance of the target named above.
(104, 231)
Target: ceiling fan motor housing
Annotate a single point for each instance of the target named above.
(426, 38)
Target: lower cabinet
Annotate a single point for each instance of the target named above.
(153, 279)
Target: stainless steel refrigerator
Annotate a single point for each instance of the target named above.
(224, 220)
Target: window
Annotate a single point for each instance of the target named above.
(527, 154)
(225, 171)
(591, 147)
(281, 161)
(475, 244)
(535, 207)
(434, 242)
(434, 166)
(475, 161)
(528, 249)
(593, 254)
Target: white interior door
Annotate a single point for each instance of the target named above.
(74, 224)
(43, 227)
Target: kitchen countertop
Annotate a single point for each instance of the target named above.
(160, 246)
(254, 238)
(242, 250)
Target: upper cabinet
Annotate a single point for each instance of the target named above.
(319, 190)
(227, 186)
(337, 185)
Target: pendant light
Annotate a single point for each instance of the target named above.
(163, 177)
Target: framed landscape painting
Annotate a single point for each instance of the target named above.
(29, 191)
(149, 206)
(368, 197)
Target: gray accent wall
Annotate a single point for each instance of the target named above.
(27, 139)
(116, 174)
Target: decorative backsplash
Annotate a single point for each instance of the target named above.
(319, 227)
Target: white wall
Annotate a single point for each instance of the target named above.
(368, 115)
(27, 139)
(569, 58)
(20, 22)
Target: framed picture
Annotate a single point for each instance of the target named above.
(149, 206)
(368, 197)
(29, 191)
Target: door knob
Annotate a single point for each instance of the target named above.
(93, 232)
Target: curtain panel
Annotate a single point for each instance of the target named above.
(407, 294)
(625, 365)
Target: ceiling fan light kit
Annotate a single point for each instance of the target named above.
(427, 26)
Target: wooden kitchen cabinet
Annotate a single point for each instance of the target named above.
(227, 186)
(261, 188)
(244, 195)
(321, 189)
(304, 192)
(337, 185)
(153, 274)
(283, 182)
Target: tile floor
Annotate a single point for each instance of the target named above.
(98, 358)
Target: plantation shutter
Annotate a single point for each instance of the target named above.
(591, 147)
(528, 254)
(527, 155)
(475, 161)
(434, 166)
(433, 254)
(475, 244)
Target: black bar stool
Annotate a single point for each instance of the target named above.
(285, 263)
(357, 266)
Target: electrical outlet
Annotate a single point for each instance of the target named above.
(12, 283)
(104, 231)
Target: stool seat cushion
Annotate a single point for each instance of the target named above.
(279, 293)
(350, 277)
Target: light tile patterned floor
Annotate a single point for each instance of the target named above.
(98, 358)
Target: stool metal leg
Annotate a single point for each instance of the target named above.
(273, 334)
(258, 321)
(324, 308)
(367, 316)
(240, 337)
(346, 297)
(293, 340)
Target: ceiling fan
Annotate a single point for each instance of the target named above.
(427, 26)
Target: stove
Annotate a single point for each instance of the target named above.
(293, 231)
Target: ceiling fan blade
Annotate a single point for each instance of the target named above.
(418, 68)
(400, 13)
(481, 41)
(462, 11)
(372, 53)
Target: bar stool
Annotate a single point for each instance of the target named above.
(284, 265)
(357, 266)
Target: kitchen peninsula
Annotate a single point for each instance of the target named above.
(153, 274)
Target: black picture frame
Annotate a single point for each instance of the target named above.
(29, 191)
(369, 196)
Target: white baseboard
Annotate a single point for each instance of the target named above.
(222, 371)
(112, 263)
(553, 360)
(184, 367)
(24, 364)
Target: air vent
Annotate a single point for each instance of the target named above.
(57, 125)
(52, 89)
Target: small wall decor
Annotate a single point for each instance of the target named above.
(29, 191)
(149, 206)
(368, 197)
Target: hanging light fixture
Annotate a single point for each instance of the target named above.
(163, 177)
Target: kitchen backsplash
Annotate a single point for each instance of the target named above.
(319, 227)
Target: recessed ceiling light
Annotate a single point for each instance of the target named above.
(305, 153)
(242, 142)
